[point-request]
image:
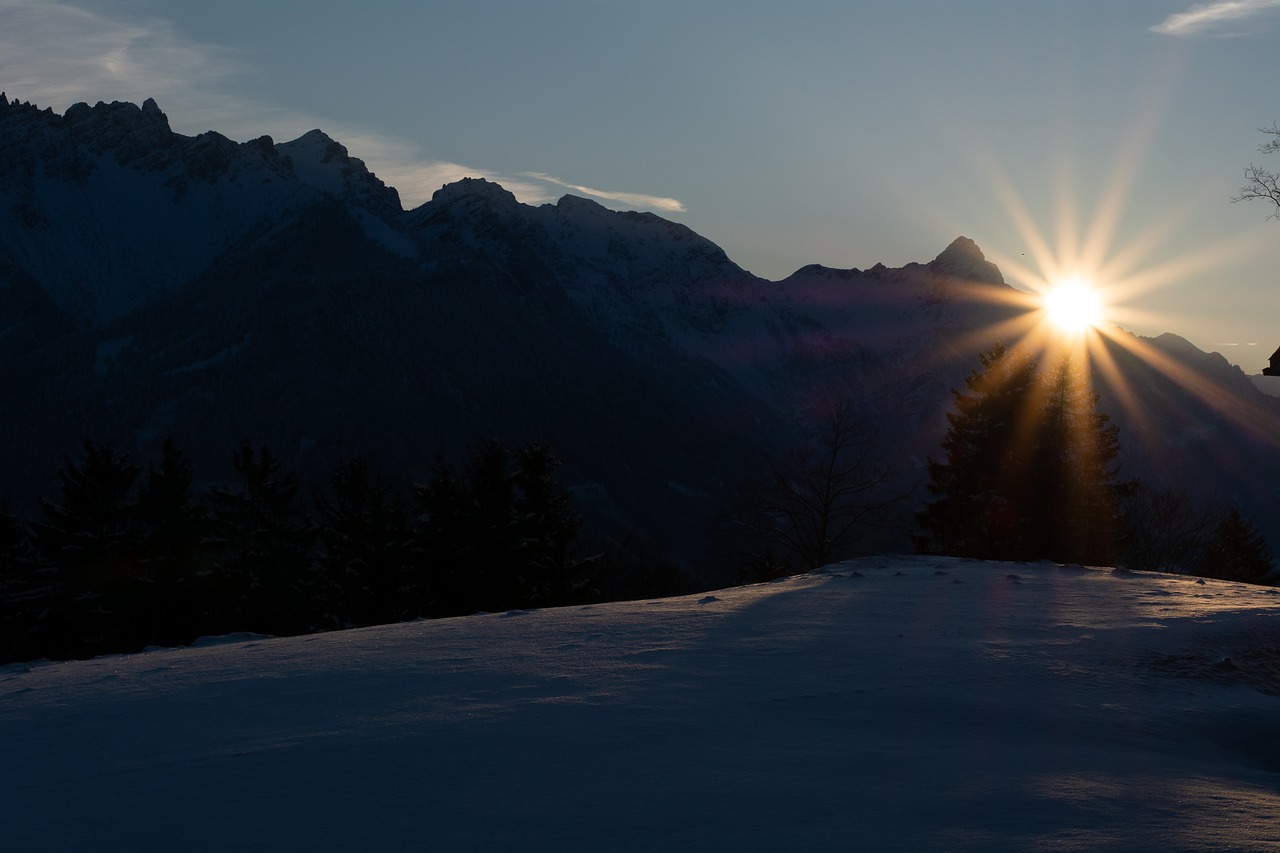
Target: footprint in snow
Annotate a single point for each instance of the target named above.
(708, 599)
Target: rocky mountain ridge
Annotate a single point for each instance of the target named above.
(154, 284)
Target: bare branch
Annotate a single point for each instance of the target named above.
(808, 508)
(1261, 183)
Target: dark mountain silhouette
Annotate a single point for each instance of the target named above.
(154, 284)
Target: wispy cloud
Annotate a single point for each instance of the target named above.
(55, 54)
(652, 202)
(1206, 16)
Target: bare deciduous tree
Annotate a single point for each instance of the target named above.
(1165, 531)
(1261, 183)
(810, 505)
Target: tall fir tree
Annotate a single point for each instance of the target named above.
(1077, 504)
(1236, 551)
(173, 525)
(22, 590)
(260, 547)
(1029, 470)
(366, 557)
(90, 540)
(980, 501)
(546, 529)
(499, 535)
(444, 582)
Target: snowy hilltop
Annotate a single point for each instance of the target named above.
(891, 703)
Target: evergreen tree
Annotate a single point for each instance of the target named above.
(366, 558)
(1077, 504)
(546, 528)
(1236, 551)
(500, 535)
(443, 584)
(259, 538)
(95, 525)
(22, 590)
(91, 541)
(1029, 467)
(981, 487)
(173, 524)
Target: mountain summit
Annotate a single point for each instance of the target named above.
(963, 259)
(110, 210)
(154, 284)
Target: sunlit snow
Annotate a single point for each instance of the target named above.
(893, 703)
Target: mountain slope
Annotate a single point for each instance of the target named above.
(110, 210)
(153, 284)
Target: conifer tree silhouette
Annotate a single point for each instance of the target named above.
(1029, 469)
(1236, 551)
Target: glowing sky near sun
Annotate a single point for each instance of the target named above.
(1102, 137)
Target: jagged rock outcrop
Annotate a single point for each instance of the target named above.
(109, 209)
(964, 260)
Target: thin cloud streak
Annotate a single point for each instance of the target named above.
(653, 202)
(1206, 15)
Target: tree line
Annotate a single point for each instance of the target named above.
(121, 558)
(1029, 472)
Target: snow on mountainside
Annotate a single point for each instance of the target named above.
(216, 288)
(109, 209)
(654, 286)
(890, 703)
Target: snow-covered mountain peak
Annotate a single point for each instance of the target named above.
(569, 203)
(474, 191)
(110, 209)
(963, 259)
(323, 163)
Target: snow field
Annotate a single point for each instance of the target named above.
(889, 703)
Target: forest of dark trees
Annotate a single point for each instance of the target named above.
(123, 558)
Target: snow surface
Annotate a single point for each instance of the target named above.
(890, 703)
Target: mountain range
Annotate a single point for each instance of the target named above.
(154, 284)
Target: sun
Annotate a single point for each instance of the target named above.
(1073, 305)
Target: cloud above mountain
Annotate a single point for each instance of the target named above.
(56, 54)
(1207, 16)
(670, 205)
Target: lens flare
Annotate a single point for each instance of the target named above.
(1074, 306)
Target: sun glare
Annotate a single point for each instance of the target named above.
(1073, 306)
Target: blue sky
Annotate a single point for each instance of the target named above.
(1104, 138)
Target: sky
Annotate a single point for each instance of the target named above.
(1096, 138)
(888, 704)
